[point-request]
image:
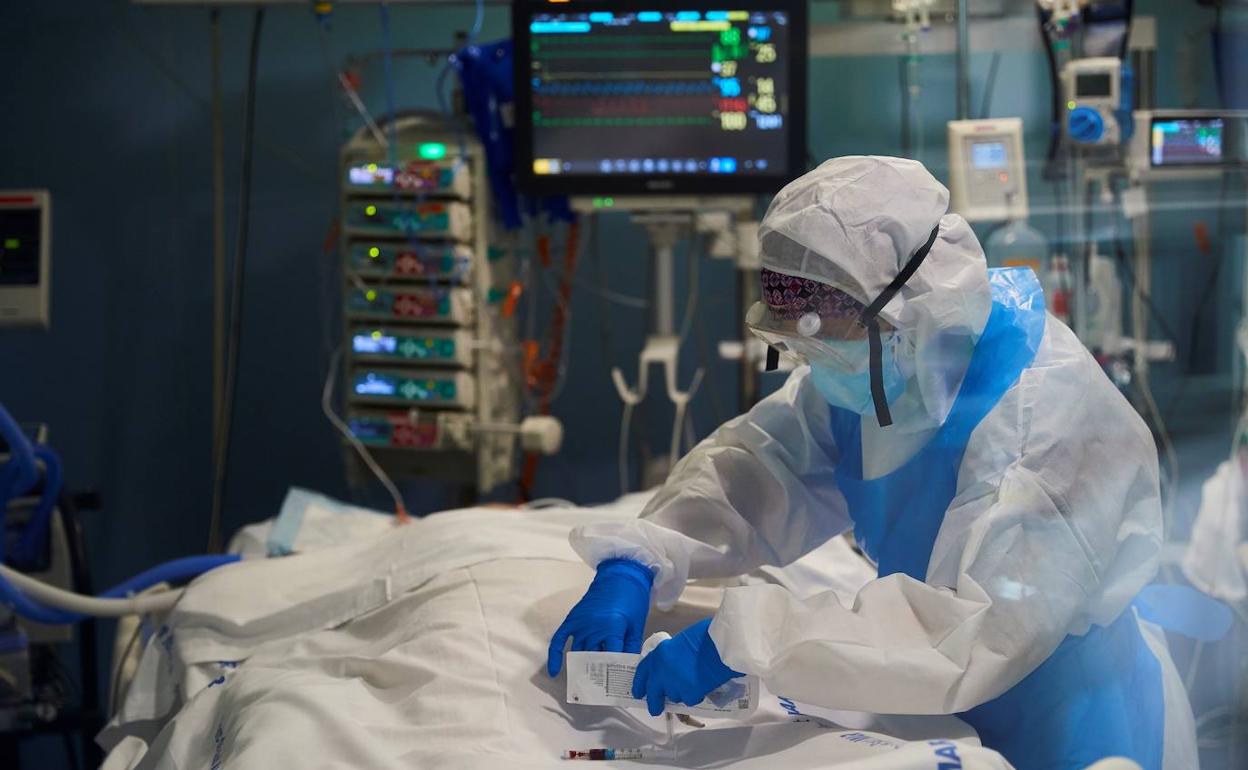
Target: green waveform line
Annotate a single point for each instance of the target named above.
(626, 53)
(627, 75)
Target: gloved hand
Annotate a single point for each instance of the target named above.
(683, 669)
(611, 616)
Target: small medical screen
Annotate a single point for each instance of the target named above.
(19, 247)
(988, 155)
(374, 344)
(667, 92)
(1187, 142)
(1093, 85)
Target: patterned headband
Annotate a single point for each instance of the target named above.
(790, 298)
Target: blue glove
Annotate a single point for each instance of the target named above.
(611, 616)
(682, 669)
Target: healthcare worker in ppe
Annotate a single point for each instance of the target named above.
(1006, 492)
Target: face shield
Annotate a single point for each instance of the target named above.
(810, 338)
(813, 322)
(810, 321)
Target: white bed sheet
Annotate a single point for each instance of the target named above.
(424, 647)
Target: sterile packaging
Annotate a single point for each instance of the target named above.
(606, 679)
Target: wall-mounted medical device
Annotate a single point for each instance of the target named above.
(25, 257)
(1186, 144)
(987, 169)
(1092, 89)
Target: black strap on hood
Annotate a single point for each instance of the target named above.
(773, 359)
(870, 319)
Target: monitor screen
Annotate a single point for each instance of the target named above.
(988, 155)
(659, 99)
(20, 230)
(1094, 85)
(1195, 142)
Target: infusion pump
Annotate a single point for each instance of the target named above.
(987, 169)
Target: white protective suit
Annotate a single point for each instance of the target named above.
(1056, 522)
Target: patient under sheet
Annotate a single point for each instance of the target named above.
(423, 646)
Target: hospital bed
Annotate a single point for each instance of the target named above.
(423, 646)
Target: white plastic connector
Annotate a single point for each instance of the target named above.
(541, 434)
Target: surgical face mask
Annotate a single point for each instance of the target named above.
(850, 388)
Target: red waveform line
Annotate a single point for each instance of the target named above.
(625, 106)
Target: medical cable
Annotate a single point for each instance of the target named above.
(216, 121)
(623, 300)
(626, 419)
(1212, 282)
(45, 603)
(114, 695)
(68, 742)
(704, 360)
(990, 86)
(565, 304)
(550, 374)
(400, 510)
(348, 88)
(1144, 389)
(696, 250)
(678, 422)
(222, 434)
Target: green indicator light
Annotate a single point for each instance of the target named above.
(370, 295)
(1070, 105)
(374, 252)
(431, 151)
(608, 202)
(372, 168)
(376, 335)
(12, 243)
(370, 210)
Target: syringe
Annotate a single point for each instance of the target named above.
(604, 754)
(645, 752)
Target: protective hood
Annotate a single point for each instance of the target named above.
(855, 223)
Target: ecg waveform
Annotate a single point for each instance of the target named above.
(625, 87)
(624, 92)
(626, 106)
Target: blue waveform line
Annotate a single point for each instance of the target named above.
(626, 88)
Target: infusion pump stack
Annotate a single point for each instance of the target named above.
(428, 390)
